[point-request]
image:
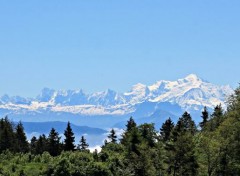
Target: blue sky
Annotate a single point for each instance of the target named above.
(96, 45)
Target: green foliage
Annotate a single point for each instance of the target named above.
(181, 158)
(69, 138)
(148, 133)
(54, 146)
(166, 130)
(204, 117)
(83, 145)
(7, 135)
(112, 136)
(21, 139)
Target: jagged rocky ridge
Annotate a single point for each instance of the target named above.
(190, 93)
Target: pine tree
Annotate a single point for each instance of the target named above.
(95, 155)
(135, 140)
(54, 146)
(217, 117)
(112, 136)
(69, 139)
(33, 145)
(6, 135)
(204, 117)
(181, 158)
(83, 145)
(166, 130)
(186, 124)
(148, 134)
(41, 144)
(21, 139)
(131, 124)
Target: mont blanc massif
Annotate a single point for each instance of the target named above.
(95, 113)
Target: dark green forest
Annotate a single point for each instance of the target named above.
(210, 148)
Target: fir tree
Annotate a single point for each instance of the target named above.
(21, 139)
(33, 145)
(131, 124)
(186, 124)
(54, 146)
(135, 140)
(181, 158)
(83, 145)
(41, 144)
(112, 136)
(204, 117)
(166, 130)
(69, 139)
(6, 135)
(217, 117)
(148, 134)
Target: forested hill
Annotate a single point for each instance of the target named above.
(211, 148)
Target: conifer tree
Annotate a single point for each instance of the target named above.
(83, 145)
(135, 140)
(182, 160)
(166, 130)
(112, 136)
(69, 138)
(217, 117)
(148, 134)
(41, 144)
(6, 135)
(131, 124)
(95, 155)
(54, 146)
(181, 157)
(186, 124)
(204, 117)
(33, 145)
(21, 139)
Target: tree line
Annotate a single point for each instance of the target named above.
(13, 138)
(211, 148)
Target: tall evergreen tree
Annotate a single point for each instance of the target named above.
(181, 157)
(112, 136)
(186, 124)
(204, 117)
(83, 145)
(134, 141)
(69, 138)
(33, 145)
(21, 139)
(54, 145)
(217, 117)
(148, 134)
(182, 160)
(131, 124)
(6, 135)
(166, 130)
(41, 144)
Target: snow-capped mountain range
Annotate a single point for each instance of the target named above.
(190, 93)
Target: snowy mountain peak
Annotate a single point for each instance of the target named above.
(192, 77)
(190, 93)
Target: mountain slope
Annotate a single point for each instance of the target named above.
(190, 93)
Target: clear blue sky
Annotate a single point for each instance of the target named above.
(100, 44)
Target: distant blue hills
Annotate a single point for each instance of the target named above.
(43, 127)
